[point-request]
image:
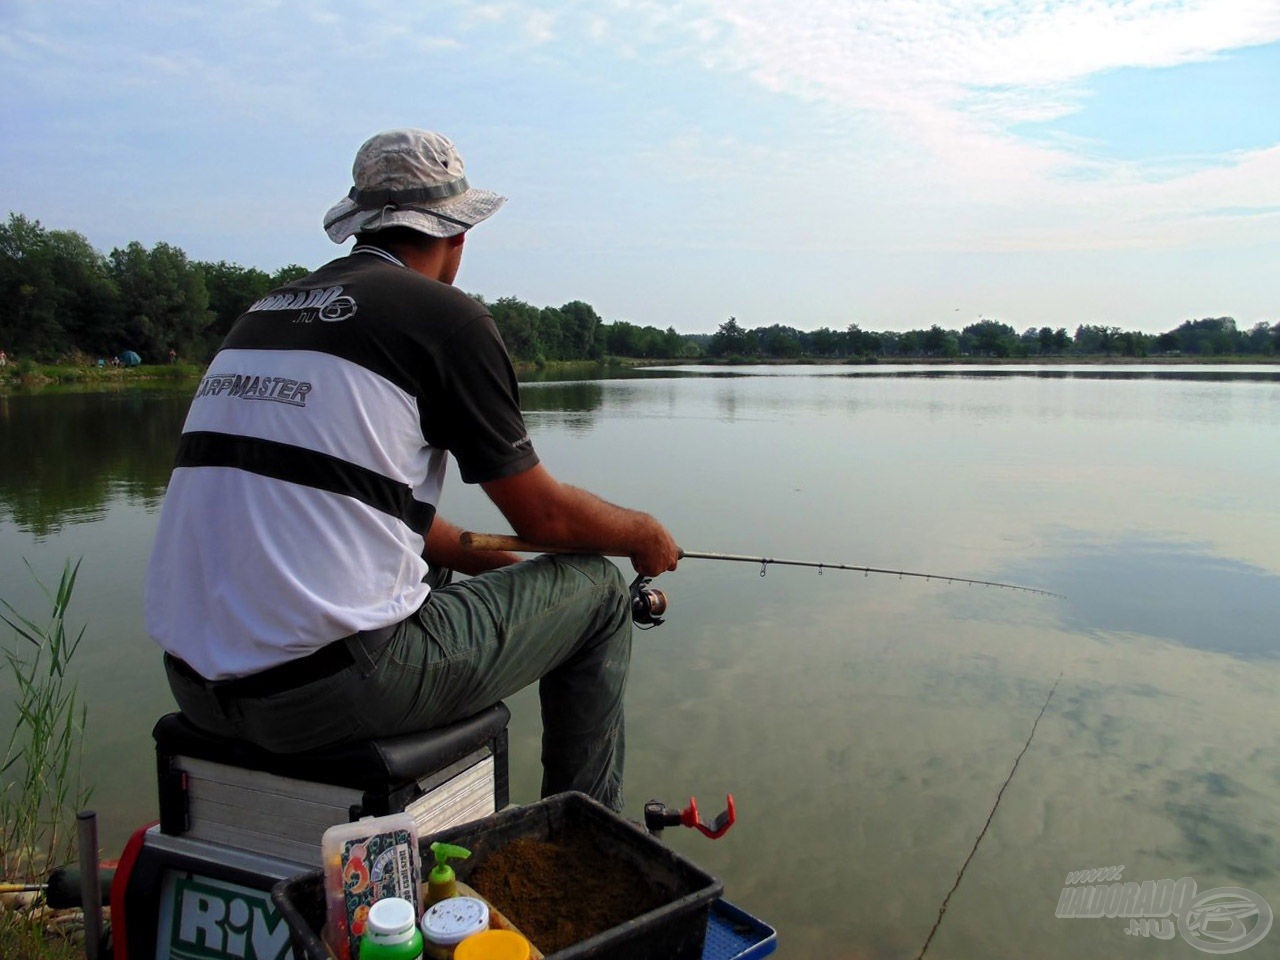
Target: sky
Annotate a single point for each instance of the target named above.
(889, 163)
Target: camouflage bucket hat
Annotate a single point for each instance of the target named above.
(409, 178)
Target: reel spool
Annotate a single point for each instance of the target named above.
(648, 604)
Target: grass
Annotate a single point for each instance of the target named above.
(25, 374)
(22, 937)
(42, 789)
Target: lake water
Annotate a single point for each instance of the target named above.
(864, 724)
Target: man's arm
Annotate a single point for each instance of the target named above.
(445, 550)
(544, 511)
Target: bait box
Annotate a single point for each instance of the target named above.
(675, 929)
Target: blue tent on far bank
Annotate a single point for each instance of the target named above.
(130, 359)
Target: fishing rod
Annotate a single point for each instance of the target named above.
(503, 542)
(820, 566)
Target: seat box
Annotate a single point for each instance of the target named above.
(231, 793)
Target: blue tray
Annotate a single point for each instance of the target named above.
(734, 934)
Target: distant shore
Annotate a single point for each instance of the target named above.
(28, 377)
(1163, 359)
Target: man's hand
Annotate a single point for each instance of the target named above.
(545, 511)
(658, 551)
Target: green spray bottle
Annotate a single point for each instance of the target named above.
(441, 882)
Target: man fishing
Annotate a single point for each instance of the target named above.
(294, 583)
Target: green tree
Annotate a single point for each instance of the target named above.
(1262, 339)
(779, 342)
(936, 342)
(231, 289)
(55, 296)
(550, 325)
(825, 342)
(622, 339)
(729, 340)
(904, 344)
(517, 322)
(89, 301)
(288, 274)
(1132, 343)
(1092, 339)
(1210, 337)
(579, 322)
(29, 322)
(651, 343)
(989, 338)
(164, 301)
(673, 345)
(862, 343)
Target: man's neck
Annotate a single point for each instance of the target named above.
(434, 260)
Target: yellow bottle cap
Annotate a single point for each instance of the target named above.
(493, 945)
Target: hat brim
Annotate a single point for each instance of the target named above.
(346, 218)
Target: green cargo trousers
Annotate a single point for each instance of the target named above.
(563, 621)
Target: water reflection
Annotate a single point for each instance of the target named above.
(1189, 373)
(579, 396)
(1206, 806)
(1181, 592)
(1222, 373)
(67, 456)
(864, 724)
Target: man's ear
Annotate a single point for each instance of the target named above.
(458, 239)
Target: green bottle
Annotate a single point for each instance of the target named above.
(441, 881)
(391, 932)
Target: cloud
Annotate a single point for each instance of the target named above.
(982, 65)
(914, 54)
(540, 27)
(932, 92)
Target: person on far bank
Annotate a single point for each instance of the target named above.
(295, 579)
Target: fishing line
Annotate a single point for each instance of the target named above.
(990, 816)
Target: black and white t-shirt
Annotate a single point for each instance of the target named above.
(311, 463)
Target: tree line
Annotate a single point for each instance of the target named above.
(576, 332)
(61, 300)
(1208, 337)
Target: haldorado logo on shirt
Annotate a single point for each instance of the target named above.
(316, 299)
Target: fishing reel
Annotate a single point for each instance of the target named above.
(648, 604)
